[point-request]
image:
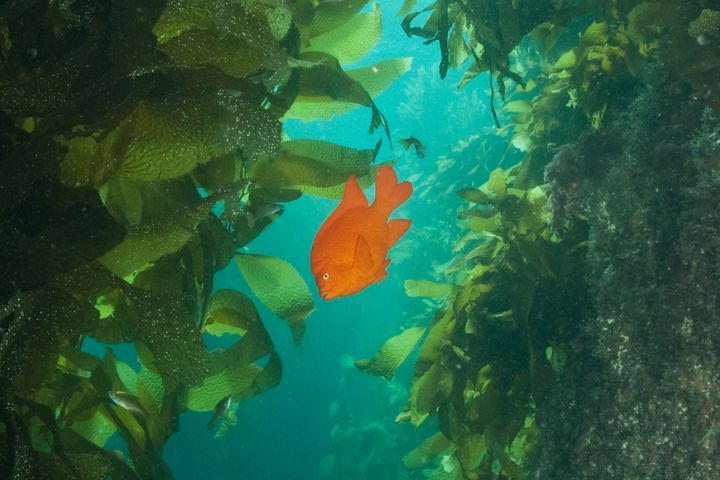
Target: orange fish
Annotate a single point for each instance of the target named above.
(350, 247)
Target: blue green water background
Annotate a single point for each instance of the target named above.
(326, 415)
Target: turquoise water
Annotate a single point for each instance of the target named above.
(325, 415)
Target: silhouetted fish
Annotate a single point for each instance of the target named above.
(414, 142)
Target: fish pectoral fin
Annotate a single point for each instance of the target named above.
(397, 229)
(363, 255)
(380, 276)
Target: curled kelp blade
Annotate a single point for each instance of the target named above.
(325, 103)
(392, 354)
(315, 167)
(280, 287)
(324, 78)
(245, 369)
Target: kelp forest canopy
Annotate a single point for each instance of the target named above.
(141, 148)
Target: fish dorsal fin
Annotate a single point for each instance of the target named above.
(353, 196)
(363, 256)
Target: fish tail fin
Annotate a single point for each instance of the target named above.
(389, 194)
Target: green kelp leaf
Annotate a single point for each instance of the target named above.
(169, 138)
(238, 371)
(219, 171)
(392, 354)
(315, 168)
(146, 243)
(97, 429)
(518, 106)
(375, 79)
(332, 15)
(279, 287)
(231, 54)
(273, 195)
(203, 398)
(150, 390)
(127, 376)
(458, 50)
(352, 40)
(426, 451)
(497, 183)
(483, 225)
(426, 288)
(228, 312)
(378, 77)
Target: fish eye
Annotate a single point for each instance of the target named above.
(326, 276)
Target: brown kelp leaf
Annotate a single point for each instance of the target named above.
(436, 337)
(315, 168)
(87, 162)
(322, 78)
(392, 354)
(280, 288)
(145, 243)
(273, 195)
(475, 195)
(237, 37)
(422, 397)
(426, 288)
(53, 231)
(166, 327)
(169, 138)
(426, 451)
(375, 79)
(352, 40)
(472, 451)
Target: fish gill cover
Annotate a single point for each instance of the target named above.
(577, 339)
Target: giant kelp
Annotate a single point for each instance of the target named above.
(531, 372)
(141, 148)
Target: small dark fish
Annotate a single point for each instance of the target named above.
(221, 410)
(414, 142)
(129, 402)
(265, 210)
